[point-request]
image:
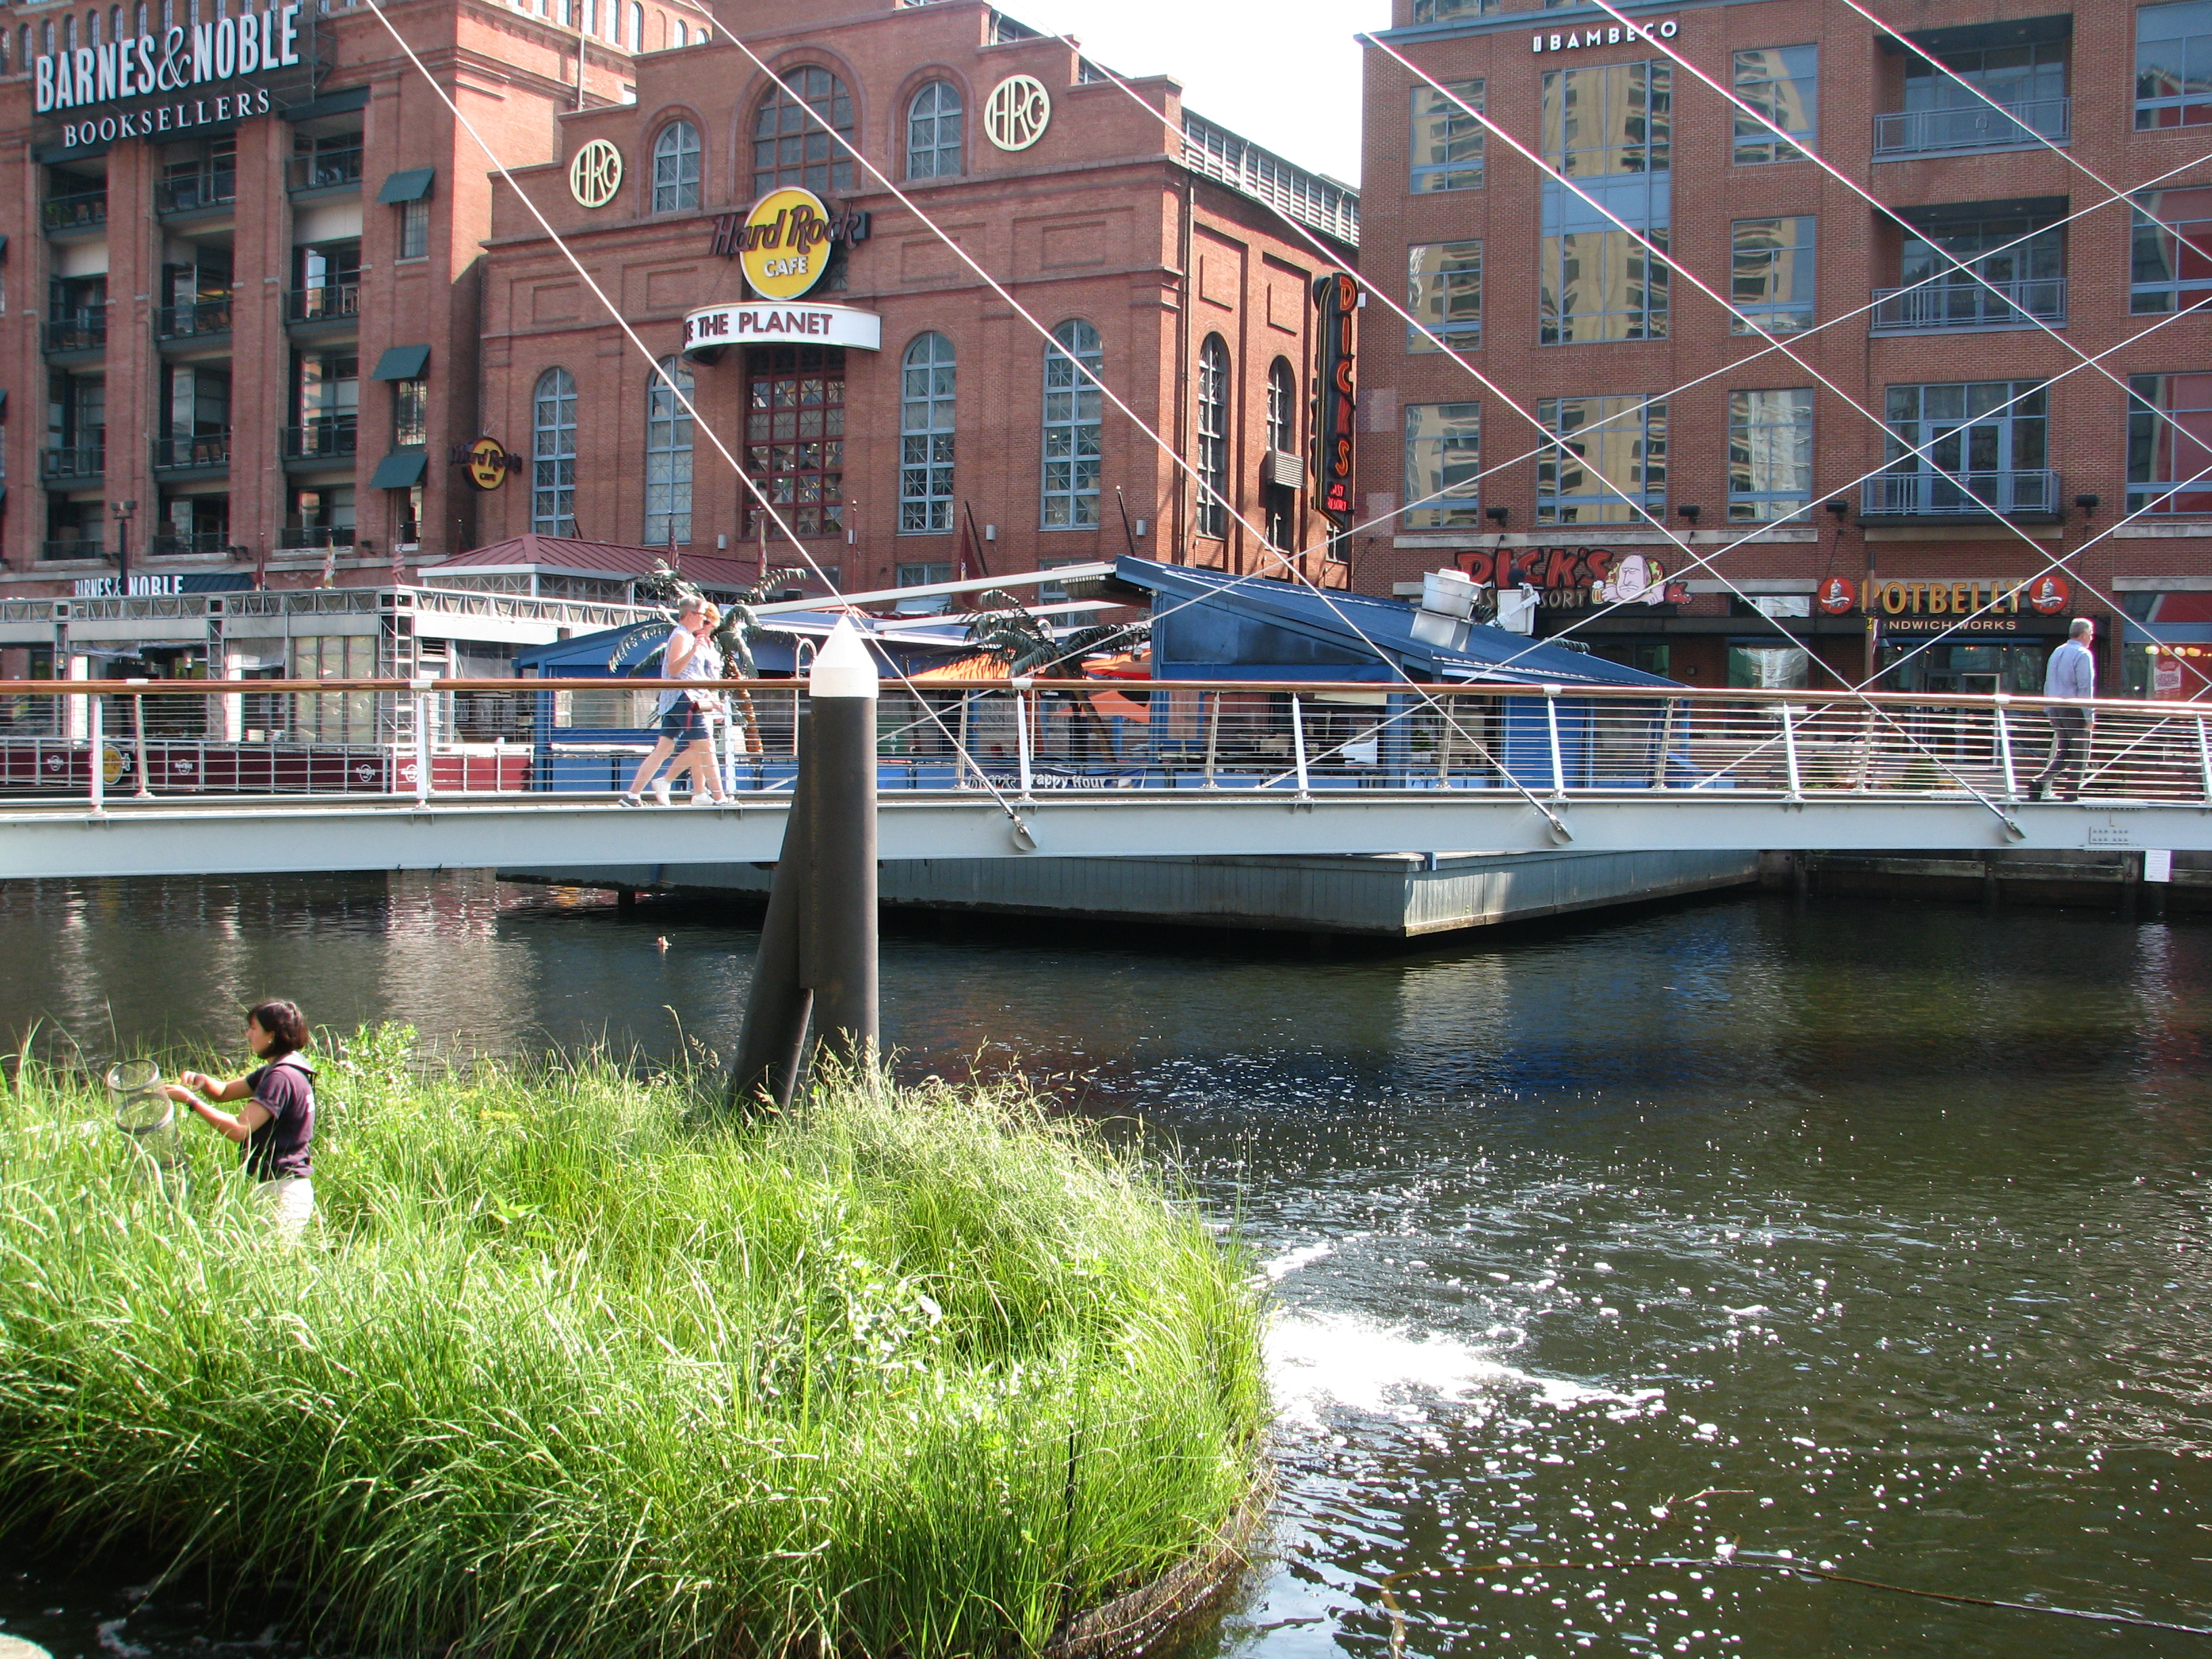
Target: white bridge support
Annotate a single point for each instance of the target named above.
(236, 838)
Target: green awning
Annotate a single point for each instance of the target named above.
(401, 470)
(411, 185)
(401, 362)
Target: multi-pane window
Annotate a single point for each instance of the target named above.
(410, 413)
(1609, 464)
(1946, 107)
(1282, 408)
(414, 229)
(1783, 84)
(2170, 444)
(1447, 142)
(1213, 438)
(1972, 445)
(668, 454)
(933, 132)
(795, 436)
(675, 169)
(1281, 494)
(553, 454)
(925, 404)
(1444, 466)
(1978, 272)
(2174, 65)
(1073, 405)
(1771, 274)
(2173, 256)
(1770, 455)
(1610, 129)
(1445, 11)
(792, 142)
(1443, 291)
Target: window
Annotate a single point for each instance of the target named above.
(328, 396)
(795, 436)
(926, 438)
(790, 144)
(636, 41)
(1610, 129)
(1443, 290)
(668, 455)
(933, 132)
(1977, 446)
(1447, 147)
(2170, 444)
(2174, 65)
(1610, 462)
(1074, 405)
(1768, 666)
(1444, 11)
(414, 229)
(1770, 455)
(675, 169)
(924, 575)
(1783, 84)
(1967, 273)
(2172, 249)
(1772, 275)
(1282, 408)
(553, 454)
(1444, 466)
(1948, 108)
(1280, 497)
(410, 413)
(1212, 518)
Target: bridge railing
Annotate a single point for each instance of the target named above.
(439, 738)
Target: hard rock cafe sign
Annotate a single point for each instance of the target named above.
(784, 243)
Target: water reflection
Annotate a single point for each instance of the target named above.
(1876, 1234)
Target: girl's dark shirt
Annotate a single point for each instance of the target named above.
(285, 1090)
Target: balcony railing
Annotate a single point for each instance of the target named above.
(169, 545)
(1959, 494)
(200, 317)
(83, 210)
(89, 547)
(1976, 126)
(183, 452)
(327, 170)
(193, 192)
(309, 535)
(73, 461)
(333, 302)
(84, 329)
(1948, 302)
(329, 438)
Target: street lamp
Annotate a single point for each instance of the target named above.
(123, 510)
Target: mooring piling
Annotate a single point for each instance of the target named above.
(817, 953)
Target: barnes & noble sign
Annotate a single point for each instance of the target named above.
(210, 74)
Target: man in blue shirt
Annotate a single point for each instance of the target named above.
(2072, 672)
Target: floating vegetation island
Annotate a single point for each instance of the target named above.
(571, 1365)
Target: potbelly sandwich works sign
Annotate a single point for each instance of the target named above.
(210, 74)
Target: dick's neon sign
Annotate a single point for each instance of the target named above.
(205, 55)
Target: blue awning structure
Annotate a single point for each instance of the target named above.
(1215, 626)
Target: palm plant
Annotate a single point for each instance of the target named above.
(733, 634)
(1006, 629)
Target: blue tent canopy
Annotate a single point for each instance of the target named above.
(1214, 626)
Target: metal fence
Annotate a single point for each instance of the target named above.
(572, 737)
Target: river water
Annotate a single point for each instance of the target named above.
(1859, 1234)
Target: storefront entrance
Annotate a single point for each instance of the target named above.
(1977, 669)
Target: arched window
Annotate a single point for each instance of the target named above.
(789, 144)
(677, 34)
(636, 26)
(926, 438)
(1072, 407)
(668, 456)
(933, 132)
(1282, 408)
(675, 169)
(553, 454)
(1213, 438)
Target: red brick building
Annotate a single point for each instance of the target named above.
(244, 249)
(1661, 396)
(930, 432)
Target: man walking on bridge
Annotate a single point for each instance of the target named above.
(2072, 673)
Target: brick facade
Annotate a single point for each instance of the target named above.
(1099, 220)
(1929, 173)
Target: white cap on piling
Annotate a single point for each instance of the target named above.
(843, 668)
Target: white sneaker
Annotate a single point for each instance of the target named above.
(660, 792)
(700, 798)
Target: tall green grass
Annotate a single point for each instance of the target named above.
(569, 1368)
